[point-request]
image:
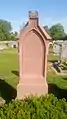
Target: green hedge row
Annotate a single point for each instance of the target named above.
(44, 107)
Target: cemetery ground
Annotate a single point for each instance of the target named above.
(9, 76)
(8, 73)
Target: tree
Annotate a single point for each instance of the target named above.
(5, 30)
(57, 31)
(64, 38)
(13, 36)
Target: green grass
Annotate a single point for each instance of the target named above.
(8, 64)
(8, 73)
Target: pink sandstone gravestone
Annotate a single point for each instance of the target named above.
(33, 50)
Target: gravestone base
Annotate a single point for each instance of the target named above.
(31, 86)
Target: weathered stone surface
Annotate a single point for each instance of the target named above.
(33, 50)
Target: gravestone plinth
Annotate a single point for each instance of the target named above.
(33, 50)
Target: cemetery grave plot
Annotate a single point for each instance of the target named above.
(9, 74)
(61, 67)
(60, 51)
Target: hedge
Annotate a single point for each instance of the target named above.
(44, 107)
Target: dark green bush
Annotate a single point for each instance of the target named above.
(44, 107)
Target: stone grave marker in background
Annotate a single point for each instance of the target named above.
(60, 48)
(33, 51)
(64, 51)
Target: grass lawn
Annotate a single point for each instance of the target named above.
(8, 73)
(9, 76)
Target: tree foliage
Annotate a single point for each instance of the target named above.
(13, 35)
(6, 31)
(44, 107)
(57, 32)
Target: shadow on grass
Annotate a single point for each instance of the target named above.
(58, 92)
(7, 92)
(65, 78)
(16, 73)
(52, 61)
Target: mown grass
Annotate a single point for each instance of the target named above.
(8, 73)
(8, 64)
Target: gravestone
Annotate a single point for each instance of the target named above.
(33, 51)
(60, 48)
(64, 51)
(57, 46)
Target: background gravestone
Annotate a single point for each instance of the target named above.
(33, 50)
(60, 48)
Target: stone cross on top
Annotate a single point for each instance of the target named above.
(33, 50)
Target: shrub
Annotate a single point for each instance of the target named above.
(44, 107)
